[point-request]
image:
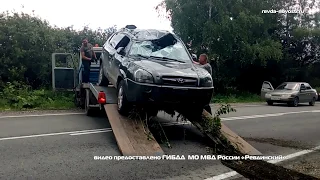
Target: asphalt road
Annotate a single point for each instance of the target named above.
(61, 147)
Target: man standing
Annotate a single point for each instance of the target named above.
(203, 63)
(86, 54)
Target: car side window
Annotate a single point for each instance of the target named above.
(308, 87)
(116, 39)
(266, 86)
(123, 42)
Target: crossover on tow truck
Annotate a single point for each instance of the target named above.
(154, 69)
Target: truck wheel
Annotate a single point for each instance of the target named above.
(89, 111)
(102, 80)
(76, 99)
(124, 106)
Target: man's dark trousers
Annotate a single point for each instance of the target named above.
(86, 71)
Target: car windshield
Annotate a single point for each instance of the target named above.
(288, 86)
(149, 48)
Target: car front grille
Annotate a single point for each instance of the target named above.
(276, 95)
(179, 81)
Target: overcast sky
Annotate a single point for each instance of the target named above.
(94, 13)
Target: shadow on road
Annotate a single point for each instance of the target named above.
(286, 105)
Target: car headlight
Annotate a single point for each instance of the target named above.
(267, 95)
(143, 76)
(206, 81)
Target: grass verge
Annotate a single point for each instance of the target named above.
(18, 97)
(236, 98)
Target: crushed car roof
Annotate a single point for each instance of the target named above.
(148, 34)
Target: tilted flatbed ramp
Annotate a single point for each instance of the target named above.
(238, 142)
(130, 135)
(242, 145)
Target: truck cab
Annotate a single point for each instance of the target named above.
(67, 70)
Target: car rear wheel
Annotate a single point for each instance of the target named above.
(102, 81)
(124, 106)
(312, 102)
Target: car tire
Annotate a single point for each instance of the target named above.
(102, 80)
(295, 102)
(312, 103)
(124, 107)
(270, 103)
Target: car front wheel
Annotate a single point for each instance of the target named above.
(295, 102)
(124, 106)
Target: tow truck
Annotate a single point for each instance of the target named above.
(67, 76)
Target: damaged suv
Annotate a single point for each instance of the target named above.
(153, 68)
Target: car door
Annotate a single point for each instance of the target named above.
(105, 57)
(309, 92)
(303, 95)
(110, 52)
(266, 87)
(121, 50)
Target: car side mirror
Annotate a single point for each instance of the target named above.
(120, 50)
(194, 57)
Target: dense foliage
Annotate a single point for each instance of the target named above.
(27, 43)
(246, 46)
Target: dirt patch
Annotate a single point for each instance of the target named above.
(280, 142)
(308, 164)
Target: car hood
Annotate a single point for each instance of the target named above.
(281, 92)
(170, 68)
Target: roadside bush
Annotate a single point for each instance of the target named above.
(20, 96)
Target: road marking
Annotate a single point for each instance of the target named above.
(52, 134)
(243, 117)
(275, 161)
(226, 119)
(93, 132)
(72, 133)
(267, 115)
(39, 115)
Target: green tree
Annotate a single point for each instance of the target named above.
(27, 43)
(242, 41)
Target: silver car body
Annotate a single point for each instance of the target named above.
(291, 93)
